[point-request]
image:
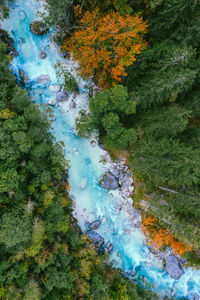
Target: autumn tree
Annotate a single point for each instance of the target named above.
(105, 45)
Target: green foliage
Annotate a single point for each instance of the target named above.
(15, 229)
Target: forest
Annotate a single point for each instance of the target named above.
(143, 56)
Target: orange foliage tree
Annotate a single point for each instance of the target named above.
(105, 45)
(159, 237)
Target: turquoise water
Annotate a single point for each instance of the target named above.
(91, 201)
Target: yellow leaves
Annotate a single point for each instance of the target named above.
(159, 237)
(48, 197)
(37, 238)
(105, 45)
(7, 114)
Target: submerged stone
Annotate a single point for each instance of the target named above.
(84, 181)
(173, 267)
(22, 40)
(96, 239)
(24, 77)
(39, 28)
(196, 297)
(22, 15)
(109, 181)
(72, 105)
(62, 96)
(43, 78)
(42, 54)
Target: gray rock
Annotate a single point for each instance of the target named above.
(116, 172)
(173, 267)
(62, 96)
(108, 247)
(137, 217)
(94, 225)
(97, 240)
(39, 28)
(196, 297)
(24, 77)
(42, 54)
(72, 105)
(43, 79)
(109, 181)
(125, 275)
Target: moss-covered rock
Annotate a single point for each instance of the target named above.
(10, 48)
(39, 28)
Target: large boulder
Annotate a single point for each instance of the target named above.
(62, 96)
(10, 48)
(39, 28)
(109, 181)
(196, 297)
(43, 79)
(24, 77)
(173, 267)
(94, 225)
(96, 239)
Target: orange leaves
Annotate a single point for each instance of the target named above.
(159, 237)
(77, 11)
(105, 45)
(67, 187)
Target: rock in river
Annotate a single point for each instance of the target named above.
(94, 225)
(97, 240)
(24, 77)
(52, 102)
(39, 28)
(42, 54)
(173, 267)
(43, 79)
(62, 96)
(109, 181)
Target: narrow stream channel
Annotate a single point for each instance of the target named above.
(91, 201)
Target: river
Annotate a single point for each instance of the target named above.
(88, 162)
